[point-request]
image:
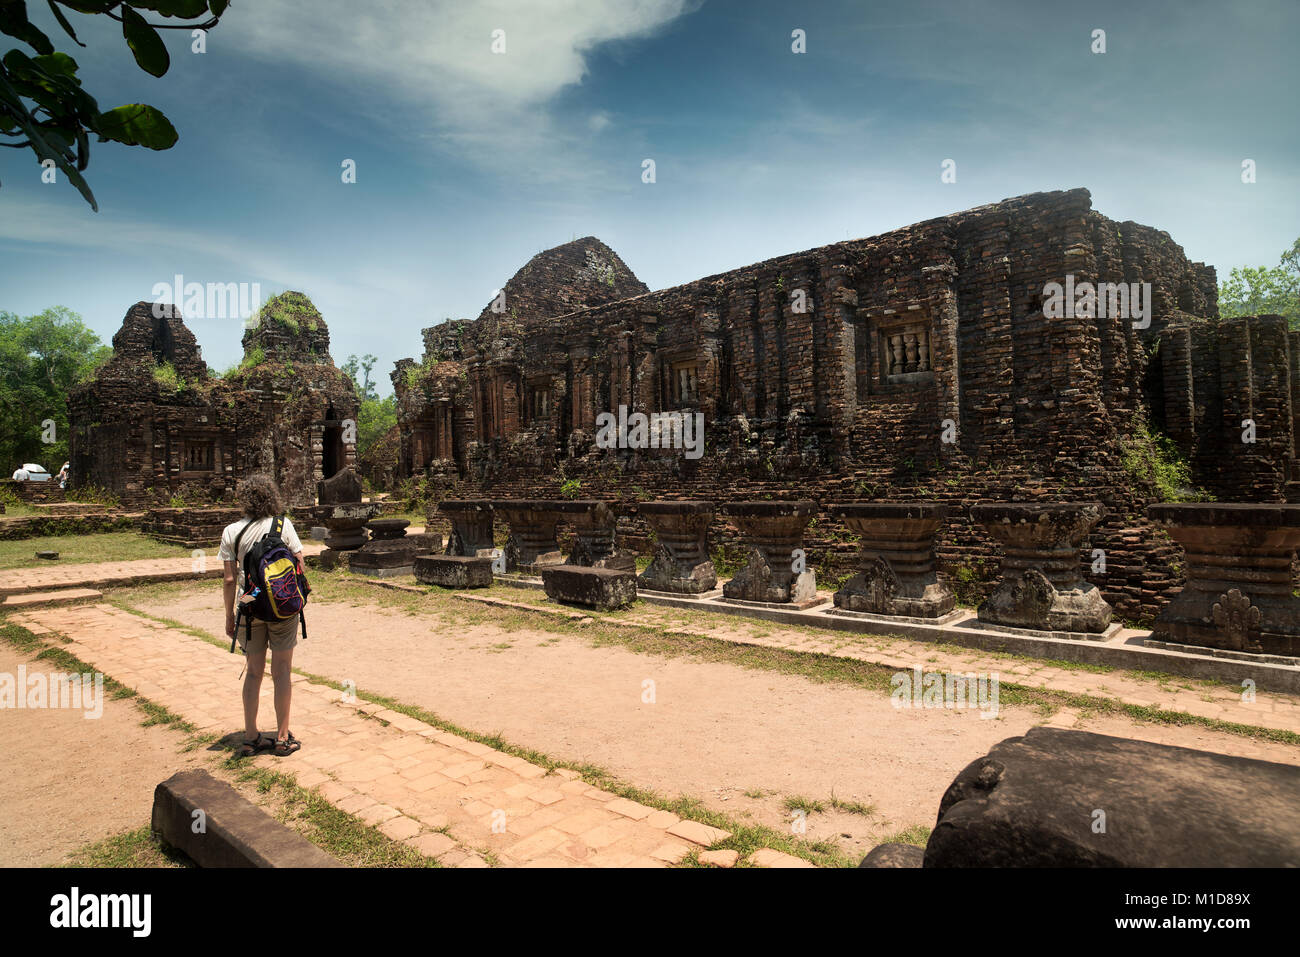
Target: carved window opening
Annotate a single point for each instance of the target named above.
(539, 402)
(905, 350)
(686, 383)
(198, 456)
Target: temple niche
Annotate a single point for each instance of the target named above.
(154, 424)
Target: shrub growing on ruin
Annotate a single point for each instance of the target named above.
(1152, 459)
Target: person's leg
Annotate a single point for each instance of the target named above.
(255, 652)
(283, 638)
(282, 675)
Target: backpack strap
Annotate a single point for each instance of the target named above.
(302, 618)
(240, 537)
(277, 527)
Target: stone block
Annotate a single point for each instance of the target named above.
(453, 571)
(601, 588)
(235, 832)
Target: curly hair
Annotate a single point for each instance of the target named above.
(259, 496)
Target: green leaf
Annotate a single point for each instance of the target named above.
(13, 21)
(137, 124)
(57, 63)
(150, 52)
(44, 150)
(218, 7)
(63, 22)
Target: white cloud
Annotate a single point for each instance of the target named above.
(430, 66)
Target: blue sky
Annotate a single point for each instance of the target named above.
(470, 162)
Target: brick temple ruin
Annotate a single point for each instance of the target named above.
(154, 423)
(921, 364)
(926, 365)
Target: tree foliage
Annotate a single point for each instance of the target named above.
(375, 416)
(358, 369)
(42, 104)
(1264, 290)
(41, 358)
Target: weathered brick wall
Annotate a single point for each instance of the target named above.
(136, 436)
(837, 403)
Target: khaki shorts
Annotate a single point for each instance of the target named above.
(281, 635)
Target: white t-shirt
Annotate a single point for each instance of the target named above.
(254, 534)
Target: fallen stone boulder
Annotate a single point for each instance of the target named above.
(601, 588)
(894, 855)
(215, 826)
(453, 571)
(1060, 798)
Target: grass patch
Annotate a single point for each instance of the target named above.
(807, 805)
(87, 549)
(853, 807)
(917, 834)
(138, 848)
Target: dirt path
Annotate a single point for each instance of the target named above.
(70, 780)
(720, 732)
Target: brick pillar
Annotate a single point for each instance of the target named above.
(770, 363)
(942, 301)
(800, 353)
(840, 301)
(1176, 369)
(740, 329)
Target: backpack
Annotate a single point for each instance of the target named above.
(273, 578)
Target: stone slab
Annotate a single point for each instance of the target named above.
(955, 615)
(37, 598)
(1113, 629)
(796, 605)
(236, 832)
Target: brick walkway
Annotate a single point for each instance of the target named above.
(433, 790)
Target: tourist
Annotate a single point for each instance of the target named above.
(63, 475)
(260, 499)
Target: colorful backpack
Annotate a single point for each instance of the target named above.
(273, 578)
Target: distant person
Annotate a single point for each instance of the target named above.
(63, 475)
(260, 499)
(20, 475)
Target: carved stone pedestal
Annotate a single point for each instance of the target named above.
(532, 544)
(1042, 587)
(471, 527)
(896, 559)
(388, 553)
(774, 531)
(681, 564)
(1238, 592)
(594, 524)
(347, 530)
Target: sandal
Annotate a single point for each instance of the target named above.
(286, 747)
(256, 746)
